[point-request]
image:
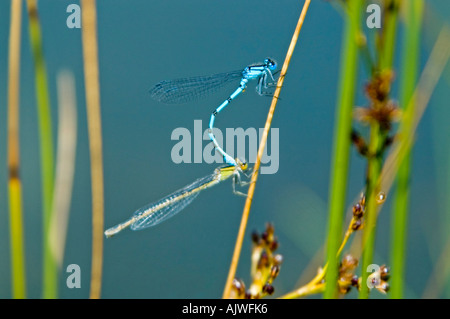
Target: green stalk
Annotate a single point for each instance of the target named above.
(372, 189)
(386, 50)
(50, 271)
(14, 186)
(342, 143)
(389, 34)
(410, 58)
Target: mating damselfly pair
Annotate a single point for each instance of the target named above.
(189, 89)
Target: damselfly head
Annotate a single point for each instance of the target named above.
(242, 164)
(270, 63)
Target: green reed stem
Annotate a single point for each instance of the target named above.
(374, 169)
(14, 186)
(50, 273)
(386, 49)
(342, 143)
(410, 59)
(387, 40)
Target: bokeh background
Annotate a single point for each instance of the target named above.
(143, 42)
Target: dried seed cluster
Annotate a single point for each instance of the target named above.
(265, 267)
(381, 109)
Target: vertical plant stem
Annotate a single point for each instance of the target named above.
(388, 37)
(14, 185)
(341, 145)
(386, 50)
(262, 144)
(50, 274)
(372, 188)
(91, 76)
(410, 59)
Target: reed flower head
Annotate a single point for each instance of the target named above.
(265, 267)
(346, 273)
(381, 108)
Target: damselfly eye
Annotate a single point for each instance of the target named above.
(271, 64)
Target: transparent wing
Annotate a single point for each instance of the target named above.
(164, 213)
(172, 204)
(190, 89)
